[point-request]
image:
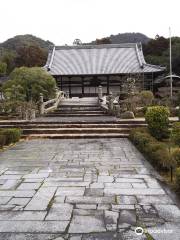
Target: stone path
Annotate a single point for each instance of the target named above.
(82, 189)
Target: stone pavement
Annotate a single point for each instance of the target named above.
(82, 189)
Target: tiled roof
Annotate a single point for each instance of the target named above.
(98, 59)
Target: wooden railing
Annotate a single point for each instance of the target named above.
(52, 104)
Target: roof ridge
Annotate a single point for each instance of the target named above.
(98, 46)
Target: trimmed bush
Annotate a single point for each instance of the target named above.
(156, 152)
(2, 140)
(176, 133)
(178, 113)
(157, 118)
(140, 137)
(176, 156)
(146, 98)
(178, 178)
(9, 136)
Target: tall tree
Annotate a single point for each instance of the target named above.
(105, 40)
(30, 56)
(30, 82)
(3, 69)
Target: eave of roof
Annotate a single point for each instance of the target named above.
(99, 59)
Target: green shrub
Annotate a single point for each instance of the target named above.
(178, 178)
(139, 137)
(163, 158)
(176, 156)
(3, 69)
(26, 84)
(156, 152)
(153, 151)
(157, 118)
(146, 98)
(10, 135)
(178, 113)
(2, 140)
(176, 133)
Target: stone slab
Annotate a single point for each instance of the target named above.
(4, 200)
(33, 180)
(33, 226)
(149, 199)
(16, 193)
(29, 236)
(122, 191)
(70, 191)
(10, 177)
(105, 179)
(22, 215)
(139, 185)
(79, 224)
(29, 186)
(111, 220)
(36, 175)
(19, 201)
(65, 184)
(86, 206)
(10, 184)
(126, 199)
(90, 200)
(127, 216)
(171, 213)
(118, 185)
(60, 212)
(41, 199)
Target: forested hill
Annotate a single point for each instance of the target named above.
(24, 50)
(123, 38)
(25, 40)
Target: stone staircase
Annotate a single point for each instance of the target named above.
(75, 118)
(78, 108)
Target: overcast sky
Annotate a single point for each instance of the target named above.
(61, 21)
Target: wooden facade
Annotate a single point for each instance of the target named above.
(79, 70)
(87, 86)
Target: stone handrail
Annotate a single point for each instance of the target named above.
(52, 104)
(105, 102)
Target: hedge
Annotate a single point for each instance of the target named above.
(8, 136)
(178, 178)
(157, 118)
(156, 152)
(176, 133)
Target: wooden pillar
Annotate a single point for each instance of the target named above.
(107, 85)
(152, 82)
(82, 81)
(120, 83)
(61, 84)
(70, 87)
(143, 82)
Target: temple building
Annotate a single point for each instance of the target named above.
(80, 69)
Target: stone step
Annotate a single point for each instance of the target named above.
(74, 115)
(74, 130)
(62, 111)
(71, 136)
(83, 106)
(52, 122)
(72, 125)
(103, 121)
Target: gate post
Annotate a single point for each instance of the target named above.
(100, 93)
(41, 101)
